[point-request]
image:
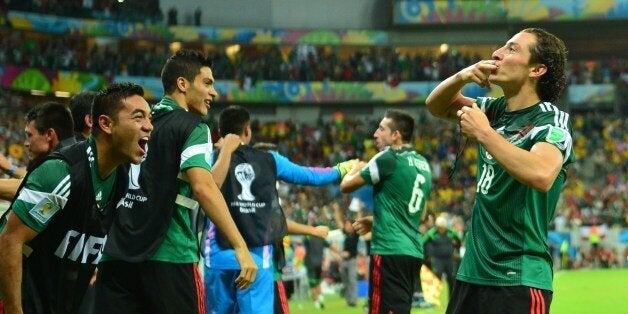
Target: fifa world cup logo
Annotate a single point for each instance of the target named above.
(245, 175)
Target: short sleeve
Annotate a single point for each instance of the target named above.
(45, 193)
(378, 168)
(197, 149)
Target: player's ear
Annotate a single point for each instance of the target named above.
(538, 70)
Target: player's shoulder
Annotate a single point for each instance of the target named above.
(49, 175)
(485, 102)
(550, 114)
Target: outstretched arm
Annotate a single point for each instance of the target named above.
(8, 188)
(296, 174)
(10, 169)
(353, 180)
(297, 228)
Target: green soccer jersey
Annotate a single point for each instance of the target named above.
(180, 244)
(47, 190)
(401, 181)
(507, 239)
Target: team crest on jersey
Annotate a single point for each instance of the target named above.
(44, 210)
(558, 137)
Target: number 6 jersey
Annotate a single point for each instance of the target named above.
(401, 181)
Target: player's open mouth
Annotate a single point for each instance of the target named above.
(208, 102)
(143, 142)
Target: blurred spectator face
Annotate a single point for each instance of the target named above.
(383, 135)
(201, 92)
(38, 144)
(348, 226)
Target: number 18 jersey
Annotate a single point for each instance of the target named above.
(507, 239)
(401, 181)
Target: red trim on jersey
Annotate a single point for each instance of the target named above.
(283, 298)
(376, 296)
(200, 290)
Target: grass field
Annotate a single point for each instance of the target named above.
(603, 291)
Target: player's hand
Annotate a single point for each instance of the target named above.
(5, 164)
(363, 225)
(230, 143)
(248, 269)
(359, 165)
(92, 281)
(345, 166)
(321, 232)
(473, 122)
(479, 73)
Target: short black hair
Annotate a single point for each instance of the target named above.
(233, 120)
(265, 146)
(81, 105)
(109, 101)
(52, 115)
(184, 63)
(402, 121)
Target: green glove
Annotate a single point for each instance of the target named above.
(344, 167)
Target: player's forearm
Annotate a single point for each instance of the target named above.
(11, 273)
(221, 167)
(537, 169)
(440, 102)
(216, 209)
(8, 188)
(297, 228)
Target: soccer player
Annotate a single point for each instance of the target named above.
(525, 145)
(150, 261)
(81, 106)
(60, 217)
(401, 180)
(248, 177)
(48, 128)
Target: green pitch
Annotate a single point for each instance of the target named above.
(601, 291)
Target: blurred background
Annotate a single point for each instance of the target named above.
(318, 75)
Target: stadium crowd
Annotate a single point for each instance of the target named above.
(254, 62)
(595, 192)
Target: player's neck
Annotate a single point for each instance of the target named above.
(106, 163)
(523, 98)
(399, 146)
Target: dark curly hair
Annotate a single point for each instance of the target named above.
(550, 51)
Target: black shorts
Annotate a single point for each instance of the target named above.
(281, 298)
(314, 274)
(149, 287)
(471, 298)
(391, 283)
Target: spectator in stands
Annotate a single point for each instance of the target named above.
(442, 244)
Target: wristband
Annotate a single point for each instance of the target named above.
(11, 171)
